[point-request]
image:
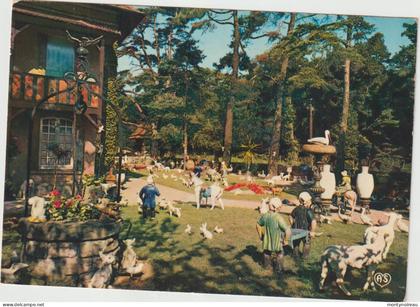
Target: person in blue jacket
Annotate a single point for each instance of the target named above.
(148, 197)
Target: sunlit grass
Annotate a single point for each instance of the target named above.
(230, 263)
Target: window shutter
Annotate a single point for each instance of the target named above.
(60, 58)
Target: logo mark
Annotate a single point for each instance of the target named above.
(382, 279)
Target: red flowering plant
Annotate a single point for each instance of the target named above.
(56, 209)
(61, 208)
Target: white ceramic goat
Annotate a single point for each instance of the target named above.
(102, 277)
(340, 257)
(372, 232)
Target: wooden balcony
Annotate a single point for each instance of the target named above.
(33, 88)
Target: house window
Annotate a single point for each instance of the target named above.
(56, 143)
(60, 57)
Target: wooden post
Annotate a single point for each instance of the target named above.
(311, 124)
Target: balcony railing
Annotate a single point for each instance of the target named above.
(33, 88)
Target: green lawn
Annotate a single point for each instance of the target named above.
(230, 263)
(232, 179)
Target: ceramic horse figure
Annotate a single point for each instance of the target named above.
(214, 192)
(351, 197)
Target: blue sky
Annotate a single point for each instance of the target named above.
(215, 44)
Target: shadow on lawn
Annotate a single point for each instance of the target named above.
(199, 268)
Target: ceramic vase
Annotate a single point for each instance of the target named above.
(365, 183)
(327, 182)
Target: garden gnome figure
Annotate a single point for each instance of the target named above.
(303, 223)
(345, 184)
(272, 228)
(148, 197)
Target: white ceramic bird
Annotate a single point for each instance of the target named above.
(188, 229)
(217, 229)
(321, 140)
(365, 219)
(325, 219)
(344, 218)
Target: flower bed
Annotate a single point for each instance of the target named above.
(257, 189)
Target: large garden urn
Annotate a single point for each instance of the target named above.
(365, 185)
(328, 183)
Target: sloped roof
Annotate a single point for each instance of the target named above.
(139, 132)
(128, 16)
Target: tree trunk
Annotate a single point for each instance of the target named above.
(275, 138)
(346, 107)
(346, 100)
(229, 108)
(185, 144)
(154, 146)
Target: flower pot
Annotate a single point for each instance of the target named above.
(327, 182)
(365, 183)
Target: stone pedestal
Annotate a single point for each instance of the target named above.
(317, 190)
(320, 151)
(365, 203)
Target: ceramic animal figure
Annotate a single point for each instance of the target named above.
(339, 257)
(216, 193)
(351, 197)
(217, 229)
(325, 219)
(206, 234)
(365, 219)
(129, 256)
(197, 183)
(174, 210)
(188, 229)
(372, 232)
(321, 140)
(38, 207)
(102, 277)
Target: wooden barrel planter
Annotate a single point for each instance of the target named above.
(72, 246)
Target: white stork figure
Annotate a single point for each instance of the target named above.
(321, 140)
(365, 219)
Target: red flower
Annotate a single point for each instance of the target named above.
(57, 204)
(55, 192)
(78, 197)
(69, 202)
